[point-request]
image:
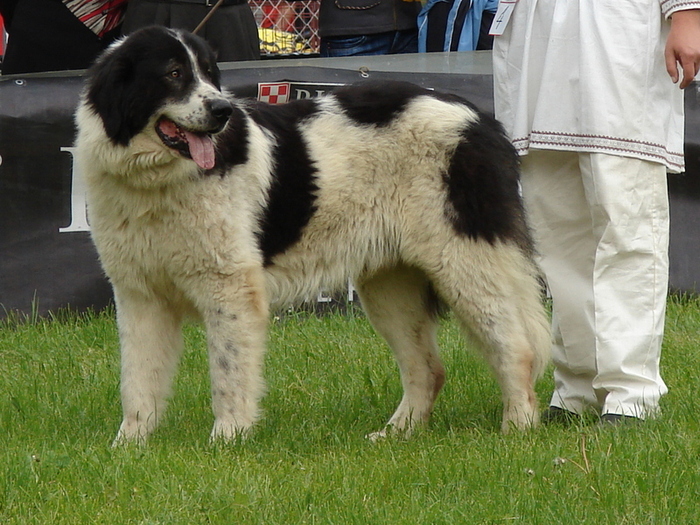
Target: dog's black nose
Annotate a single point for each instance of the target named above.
(220, 109)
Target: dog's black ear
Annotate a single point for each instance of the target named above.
(111, 86)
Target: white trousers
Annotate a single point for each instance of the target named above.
(601, 225)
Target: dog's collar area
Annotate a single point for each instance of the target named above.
(197, 146)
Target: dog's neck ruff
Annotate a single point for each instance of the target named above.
(144, 163)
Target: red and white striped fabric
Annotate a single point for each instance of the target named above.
(100, 16)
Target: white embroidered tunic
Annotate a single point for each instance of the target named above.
(590, 75)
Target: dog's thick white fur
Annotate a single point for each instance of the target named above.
(207, 205)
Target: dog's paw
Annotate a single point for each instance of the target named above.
(132, 433)
(122, 441)
(389, 431)
(227, 432)
(520, 420)
(375, 437)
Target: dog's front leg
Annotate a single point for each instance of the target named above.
(236, 323)
(151, 344)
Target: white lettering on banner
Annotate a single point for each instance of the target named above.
(351, 291)
(78, 208)
(323, 296)
(283, 92)
(305, 93)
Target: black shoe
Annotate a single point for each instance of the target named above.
(559, 416)
(617, 420)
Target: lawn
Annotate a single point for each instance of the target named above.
(331, 380)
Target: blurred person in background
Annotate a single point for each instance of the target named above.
(368, 27)
(231, 31)
(456, 25)
(53, 35)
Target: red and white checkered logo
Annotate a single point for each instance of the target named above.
(274, 93)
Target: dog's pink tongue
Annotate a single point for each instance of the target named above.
(201, 150)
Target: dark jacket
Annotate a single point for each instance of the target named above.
(366, 17)
(231, 32)
(46, 36)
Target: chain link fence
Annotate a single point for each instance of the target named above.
(287, 27)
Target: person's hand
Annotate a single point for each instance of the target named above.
(683, 46)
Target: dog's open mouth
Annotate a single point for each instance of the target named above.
(197, 146)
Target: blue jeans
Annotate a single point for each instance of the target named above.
(390, 43)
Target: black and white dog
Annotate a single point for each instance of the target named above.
(204, 204)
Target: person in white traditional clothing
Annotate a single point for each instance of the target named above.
(589, 93)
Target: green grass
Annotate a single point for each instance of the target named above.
(331, 380)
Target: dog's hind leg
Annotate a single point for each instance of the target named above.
(151, 345)
(398, 304)
(494, 292)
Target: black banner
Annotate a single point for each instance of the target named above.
(47, 260)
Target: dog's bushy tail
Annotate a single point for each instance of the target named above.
(535, 320)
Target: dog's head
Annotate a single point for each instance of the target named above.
(162, 79)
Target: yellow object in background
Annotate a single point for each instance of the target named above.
(275, 42)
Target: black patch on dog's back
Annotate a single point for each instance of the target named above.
(292, 196)
(377, 103)
(483, 177)
(483, 186)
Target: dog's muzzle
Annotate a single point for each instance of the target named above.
(196, 143)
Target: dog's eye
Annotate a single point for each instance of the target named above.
(175, 73)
